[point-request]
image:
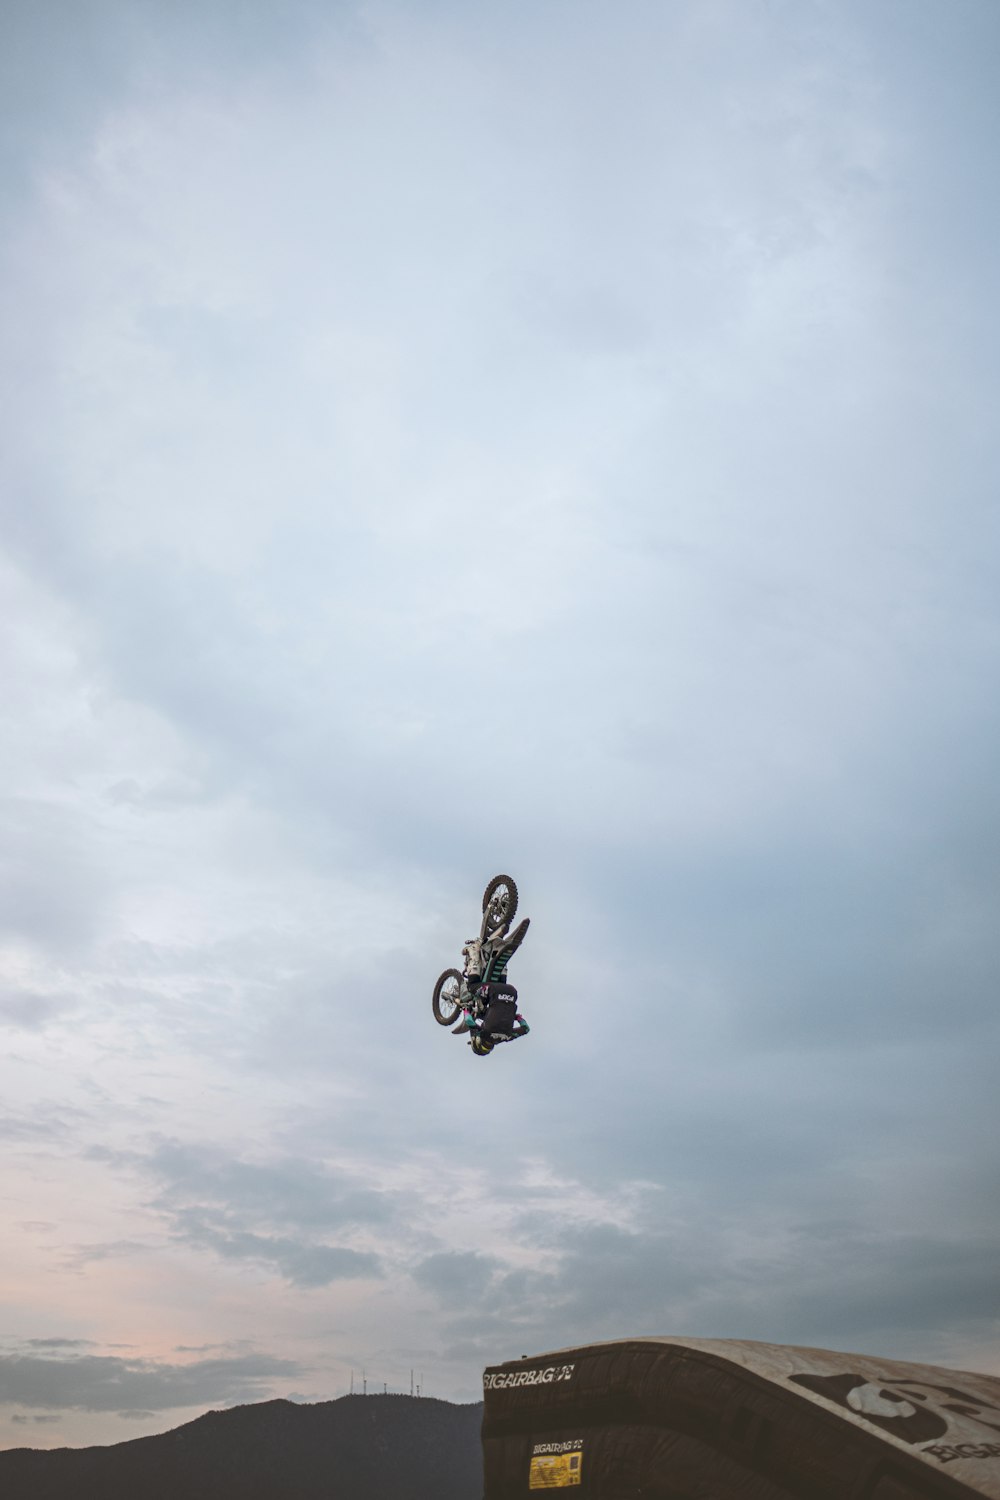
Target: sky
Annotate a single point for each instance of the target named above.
(439, 440)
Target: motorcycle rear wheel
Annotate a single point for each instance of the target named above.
(445, 1003)
(500, 896)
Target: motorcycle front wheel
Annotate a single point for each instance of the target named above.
(500, 897)
(445, 1004)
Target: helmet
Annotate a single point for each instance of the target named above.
(481, 1045)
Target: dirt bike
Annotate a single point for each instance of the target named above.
(486, 957)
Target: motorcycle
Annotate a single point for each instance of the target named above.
(486, 957)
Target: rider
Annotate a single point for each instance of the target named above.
(493, 1016)
(500, 1020)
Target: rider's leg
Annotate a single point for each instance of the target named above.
(473, 955)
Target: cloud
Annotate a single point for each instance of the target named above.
(413, 471)
(456, 1275)
(304, 1265)
(31, 1012)
(243, 1211)
(52, 887)
(833, 1286)
(81, 1256)
(52, 1124)
(301, 1192)
(57, 1343)
(106, 1383)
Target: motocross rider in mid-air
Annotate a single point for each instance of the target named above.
(477, 1002)
(493, 1016)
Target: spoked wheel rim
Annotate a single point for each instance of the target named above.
(499, 907)
(448, 1000)
(447, 1005)
(500, 901)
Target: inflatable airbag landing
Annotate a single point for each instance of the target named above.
(717, 1419)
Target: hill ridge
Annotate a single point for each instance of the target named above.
(357, 1447)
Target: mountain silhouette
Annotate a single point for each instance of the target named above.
(355, 1448)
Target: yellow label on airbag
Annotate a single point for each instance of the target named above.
(554, 1471)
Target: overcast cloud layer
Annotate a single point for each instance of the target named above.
(555, 438)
